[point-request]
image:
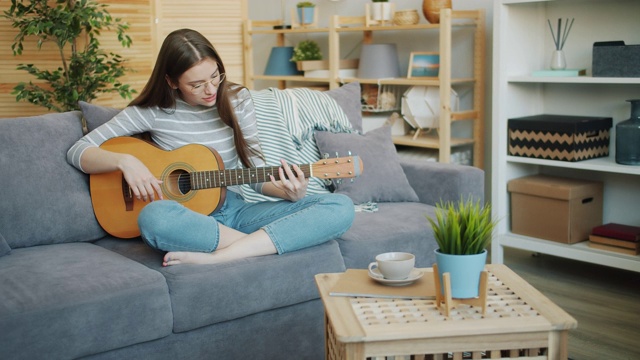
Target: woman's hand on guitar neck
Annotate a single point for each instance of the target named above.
(292, 186)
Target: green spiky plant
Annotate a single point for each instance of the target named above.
(463, 227)
(86, 70)
(305, 4)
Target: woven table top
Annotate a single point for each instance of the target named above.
(513, 306)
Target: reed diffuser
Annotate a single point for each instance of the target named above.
(558, 61)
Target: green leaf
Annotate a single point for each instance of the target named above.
(86, 72)
(462, 228)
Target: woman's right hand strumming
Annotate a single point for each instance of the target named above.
(144, 185)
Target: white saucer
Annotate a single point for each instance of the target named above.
(414, 275)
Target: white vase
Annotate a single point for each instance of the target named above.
(381, 11)
(558, 61)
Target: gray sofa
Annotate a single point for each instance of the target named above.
(69, 290)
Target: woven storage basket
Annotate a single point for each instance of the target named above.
(406, 17)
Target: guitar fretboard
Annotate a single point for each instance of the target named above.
(221, 178)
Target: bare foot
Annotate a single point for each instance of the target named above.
(177, 257)
(254, 244)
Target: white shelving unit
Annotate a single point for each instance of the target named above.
(523, 44)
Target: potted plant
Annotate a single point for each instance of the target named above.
(305, 12)
(381, 10)
(463, 231)
(306, 55)
(86, 70)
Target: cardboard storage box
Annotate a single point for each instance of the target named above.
(553, 208)
(559, 137)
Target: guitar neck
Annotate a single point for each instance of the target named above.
(222, 178)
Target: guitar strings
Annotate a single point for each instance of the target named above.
(239, 173)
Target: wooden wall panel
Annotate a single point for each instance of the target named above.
(150, 21)
(140, 56)
(220, 21)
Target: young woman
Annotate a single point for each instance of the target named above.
(188, 100)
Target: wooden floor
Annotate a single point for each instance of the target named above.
(605, 301)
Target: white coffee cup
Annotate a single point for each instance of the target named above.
(393, 265)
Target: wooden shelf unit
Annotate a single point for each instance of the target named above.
(449, 20)
(516, 93)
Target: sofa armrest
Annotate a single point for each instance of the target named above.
(435, 181)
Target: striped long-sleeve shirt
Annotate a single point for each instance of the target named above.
(187, 124)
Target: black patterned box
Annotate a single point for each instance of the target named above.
(559, 137)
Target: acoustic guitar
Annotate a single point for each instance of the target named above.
(186, 173)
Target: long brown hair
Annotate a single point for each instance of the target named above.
(181, 50)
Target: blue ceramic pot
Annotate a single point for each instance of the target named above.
(464, 272)
(306, 16)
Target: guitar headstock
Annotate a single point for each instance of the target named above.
(338, 168)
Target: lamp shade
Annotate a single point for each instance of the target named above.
(279, 62)
(379, 61)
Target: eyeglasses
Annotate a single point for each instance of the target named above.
(199, 88)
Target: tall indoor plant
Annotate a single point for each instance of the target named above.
(463, 231)
(86, 70)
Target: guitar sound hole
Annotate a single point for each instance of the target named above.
(184, 183)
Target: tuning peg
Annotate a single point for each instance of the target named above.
(339, 181)
(349, 152)
(325, 155)
(337, 154)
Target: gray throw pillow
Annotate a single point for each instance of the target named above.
(348, 97)
(4, 247)
(382, 178)
(96, 115)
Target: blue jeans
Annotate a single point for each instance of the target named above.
(169, 226)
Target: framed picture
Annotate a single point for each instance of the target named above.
(423, 65)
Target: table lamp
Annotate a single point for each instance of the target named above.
(279, 62)
(378, 61)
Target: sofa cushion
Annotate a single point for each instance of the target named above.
(348, 97)
(4, 247)
(96, 115)
(382, 179)
(37, 185)
(394, 227)
(72, 300)
(435, 181)
(202, 295)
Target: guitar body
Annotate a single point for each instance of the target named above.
(117, 209)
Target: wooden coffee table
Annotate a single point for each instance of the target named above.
(520, 322)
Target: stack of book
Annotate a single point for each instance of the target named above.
(616, 237)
